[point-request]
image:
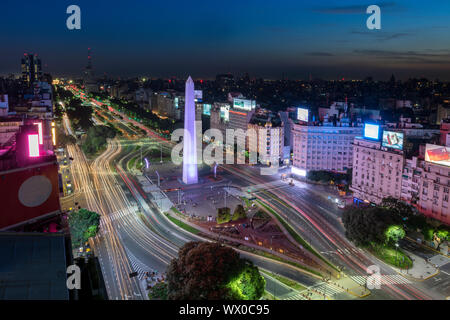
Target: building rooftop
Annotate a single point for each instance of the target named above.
(33, 266)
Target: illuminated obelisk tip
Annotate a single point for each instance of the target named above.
(190, 172)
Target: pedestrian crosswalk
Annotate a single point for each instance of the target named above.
(119, 214)
(392, 279)
(296, 296)
(138, 266)
(327, 289)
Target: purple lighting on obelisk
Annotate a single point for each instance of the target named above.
(190, 172)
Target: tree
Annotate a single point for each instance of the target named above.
(400, 210)
(81, 115)
(239, 213)
(96, 138)
(249, 284)
(158, 291)
(210, 271)
(223, 215)
(366, 225)
(83, 224)
(394, 233)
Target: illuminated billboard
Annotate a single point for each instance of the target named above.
(206, 109)
(302, 114)
(33, 145)
(225, 113)
(437, 154)
(392, 140)
(371, 131)
(244, 104)
(198, 95)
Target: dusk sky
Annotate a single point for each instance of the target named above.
(328, 39)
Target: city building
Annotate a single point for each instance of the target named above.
(143, 98)
(31, 69)
(327, 147)
(90, 85)
(266, 137)
(163, 104)
(434, 183)
(29, 179)
(411, 180)
(4, 105)
(377, 171)
(239, 118)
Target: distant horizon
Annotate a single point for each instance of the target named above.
(235, 74)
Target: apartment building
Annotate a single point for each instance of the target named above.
(328, 147)
(266, 137)
(377, 171)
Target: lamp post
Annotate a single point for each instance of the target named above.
(396, 252)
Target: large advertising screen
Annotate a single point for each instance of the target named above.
(437, 154)
(198, 95)
(244, 104)
(393, 140)
(371, 131)
(225, 113)
(206, 109)
(302, 114)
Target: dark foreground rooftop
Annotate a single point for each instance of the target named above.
(33, 266)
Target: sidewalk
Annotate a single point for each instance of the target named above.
(351, 287)
(421, 269)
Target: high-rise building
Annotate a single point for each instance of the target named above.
(89, 82)
(31, 69)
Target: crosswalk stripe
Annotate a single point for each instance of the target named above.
(394, 279)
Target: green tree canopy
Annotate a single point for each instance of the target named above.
(83, 224)
(394, 233)
(158, 291)
(366, 225)
(223, 215)
(210, 271)
(239, 213)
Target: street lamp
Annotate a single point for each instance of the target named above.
(396, 252)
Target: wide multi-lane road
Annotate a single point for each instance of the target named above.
(307, 208)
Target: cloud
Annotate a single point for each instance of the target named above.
(319, 54)
(381, 35)
(407, 56)
(354, 9)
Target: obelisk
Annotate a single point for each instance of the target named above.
(190, 171)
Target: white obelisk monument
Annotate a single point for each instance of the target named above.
(190, 171)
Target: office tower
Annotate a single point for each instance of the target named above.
(31, 68)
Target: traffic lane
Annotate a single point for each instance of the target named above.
(275, 288)
(107, 268)
(440, 283)
(281, 269)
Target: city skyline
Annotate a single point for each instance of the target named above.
(294, 39)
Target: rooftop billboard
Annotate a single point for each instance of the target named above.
(244, 104)
(392, 140)
(302, 114)
(372, 131)
(437, 154)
